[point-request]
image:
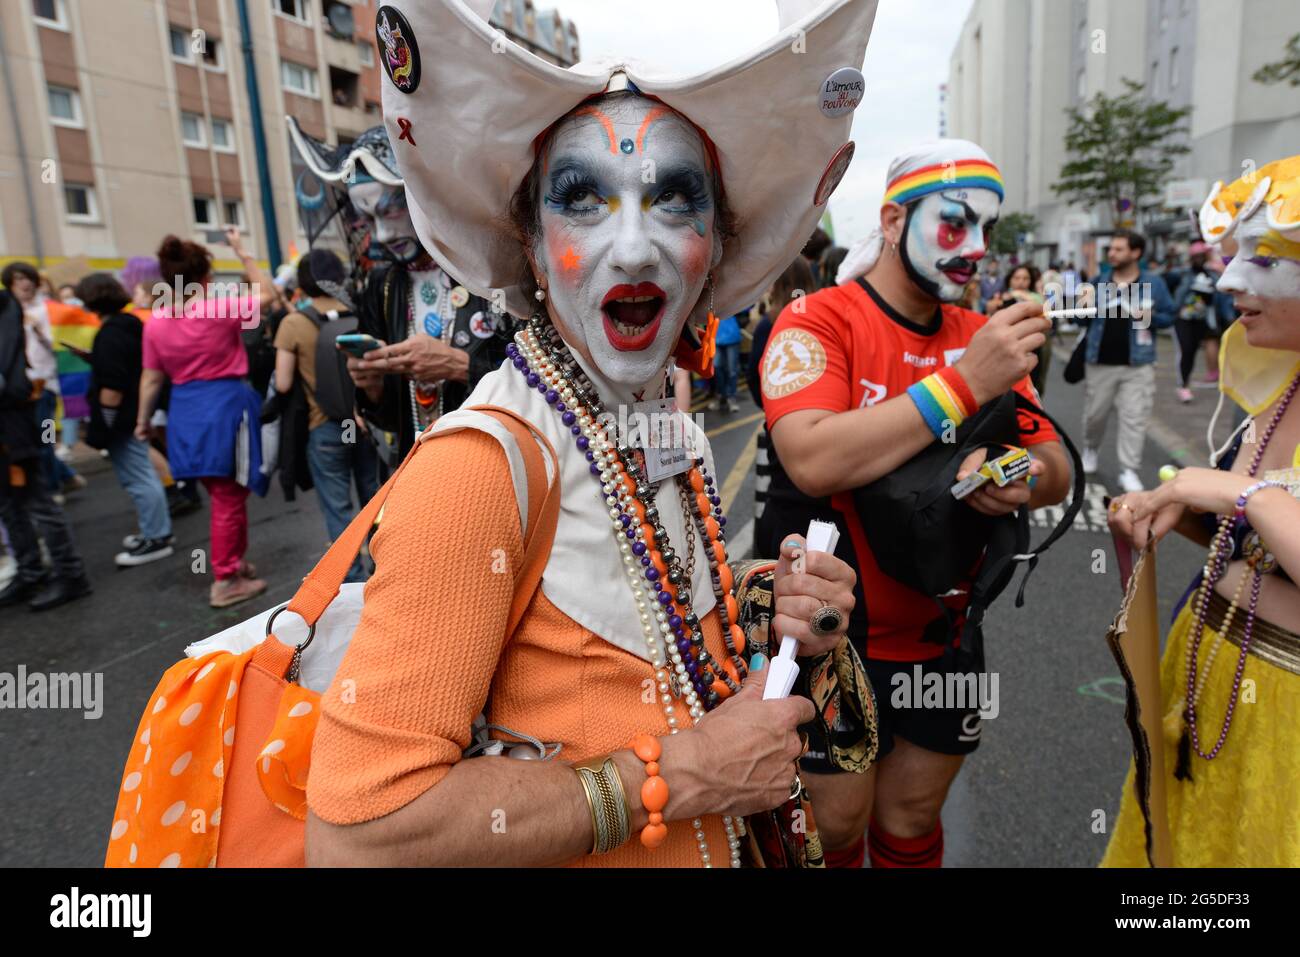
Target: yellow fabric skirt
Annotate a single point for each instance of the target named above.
(1241, 809)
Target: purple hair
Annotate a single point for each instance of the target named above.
(141, 270)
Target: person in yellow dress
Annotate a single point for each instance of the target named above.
(1230, 675)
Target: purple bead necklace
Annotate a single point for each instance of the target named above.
(1221, 549)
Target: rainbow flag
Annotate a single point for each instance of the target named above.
(75, 326)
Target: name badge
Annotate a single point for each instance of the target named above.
(657, 427)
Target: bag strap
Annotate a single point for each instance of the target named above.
(322, 583)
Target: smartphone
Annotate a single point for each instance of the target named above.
(357, 343)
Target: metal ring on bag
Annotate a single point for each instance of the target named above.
(311, 630)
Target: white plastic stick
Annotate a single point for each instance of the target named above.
(1087, 313)
(782, 670)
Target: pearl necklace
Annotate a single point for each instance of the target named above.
(677, 672)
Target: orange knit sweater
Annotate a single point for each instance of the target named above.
(431, 647)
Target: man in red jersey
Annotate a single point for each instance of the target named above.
(858, 379)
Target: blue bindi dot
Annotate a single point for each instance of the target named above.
(626, 146)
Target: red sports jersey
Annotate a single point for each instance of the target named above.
(845, 348)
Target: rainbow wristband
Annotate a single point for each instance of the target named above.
(940, 404)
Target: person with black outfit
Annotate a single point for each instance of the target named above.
(25, 501)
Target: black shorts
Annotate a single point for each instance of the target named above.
(903, 711)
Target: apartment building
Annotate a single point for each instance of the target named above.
(1020, 64)
(128, 119)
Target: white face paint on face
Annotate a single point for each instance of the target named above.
(947, 235)
(627, 235)
(385, 211)
(1264, 281)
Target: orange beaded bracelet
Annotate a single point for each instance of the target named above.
(654, 790)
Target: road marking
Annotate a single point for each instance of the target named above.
(1112, 689)
(742, 544)
(736, 477)
(747, 420)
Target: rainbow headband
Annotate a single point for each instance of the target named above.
(969, 174)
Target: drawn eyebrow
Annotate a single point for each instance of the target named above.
(971, 216)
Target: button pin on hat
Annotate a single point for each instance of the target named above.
(841, 92)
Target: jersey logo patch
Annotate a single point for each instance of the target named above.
(795, 360)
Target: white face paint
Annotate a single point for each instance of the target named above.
(947, 235)
(627, 235)
(1264, 281)
(385, 212)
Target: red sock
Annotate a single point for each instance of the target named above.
(889, 850)
(851, 856)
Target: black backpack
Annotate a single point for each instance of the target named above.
(923, 537)
(335, 391)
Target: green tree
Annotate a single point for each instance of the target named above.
(1120, 149)
(1006, 234)
(1287, 68)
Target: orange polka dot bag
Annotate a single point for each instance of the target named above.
(217, 772)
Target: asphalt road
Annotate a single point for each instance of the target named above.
(1054, 755)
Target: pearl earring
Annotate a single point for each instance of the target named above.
(540, 294)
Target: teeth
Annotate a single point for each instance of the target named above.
(634, 299)
(627, 329)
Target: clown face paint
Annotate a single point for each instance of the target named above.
(627, 235)
(1264, 281)
(385, 212)
(946, 235)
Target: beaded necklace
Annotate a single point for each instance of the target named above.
(424, 395)
(683, 668)
(1258, 563)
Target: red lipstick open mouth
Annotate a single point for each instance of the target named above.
(632, 315)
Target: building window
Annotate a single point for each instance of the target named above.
(367, 53)
(192, 130)
(212, 58)
(223, 136)
(50, 13)
(204, 212)
(232, 213)
(1173, 68)
(299, 79)
(65, 107)
(180, 44)
(293, 9)
(80, 202)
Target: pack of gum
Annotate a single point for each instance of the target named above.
(1002, 471)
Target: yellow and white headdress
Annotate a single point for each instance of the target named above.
(1252, 376)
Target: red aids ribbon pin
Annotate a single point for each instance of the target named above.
(404, 125)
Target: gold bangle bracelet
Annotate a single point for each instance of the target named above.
(611, 816)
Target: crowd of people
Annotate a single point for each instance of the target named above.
(488, 338)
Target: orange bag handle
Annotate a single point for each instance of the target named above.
(322, 583)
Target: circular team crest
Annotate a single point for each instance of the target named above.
(397, 49)
(794, 361)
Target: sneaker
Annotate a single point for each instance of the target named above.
(63, 453)
(733, 405)
(231, 591)
(1211, 377)
(146, 551)
(1185, 395)
(712, 405)
(1089, 459)
(1129, 481)
(247, 570)
(59, 592)
(133, 541)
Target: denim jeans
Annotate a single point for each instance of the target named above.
(130, 458)
(727, 363)
(53, 469)
(335, 465)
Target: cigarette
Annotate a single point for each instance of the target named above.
(1070, 313)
